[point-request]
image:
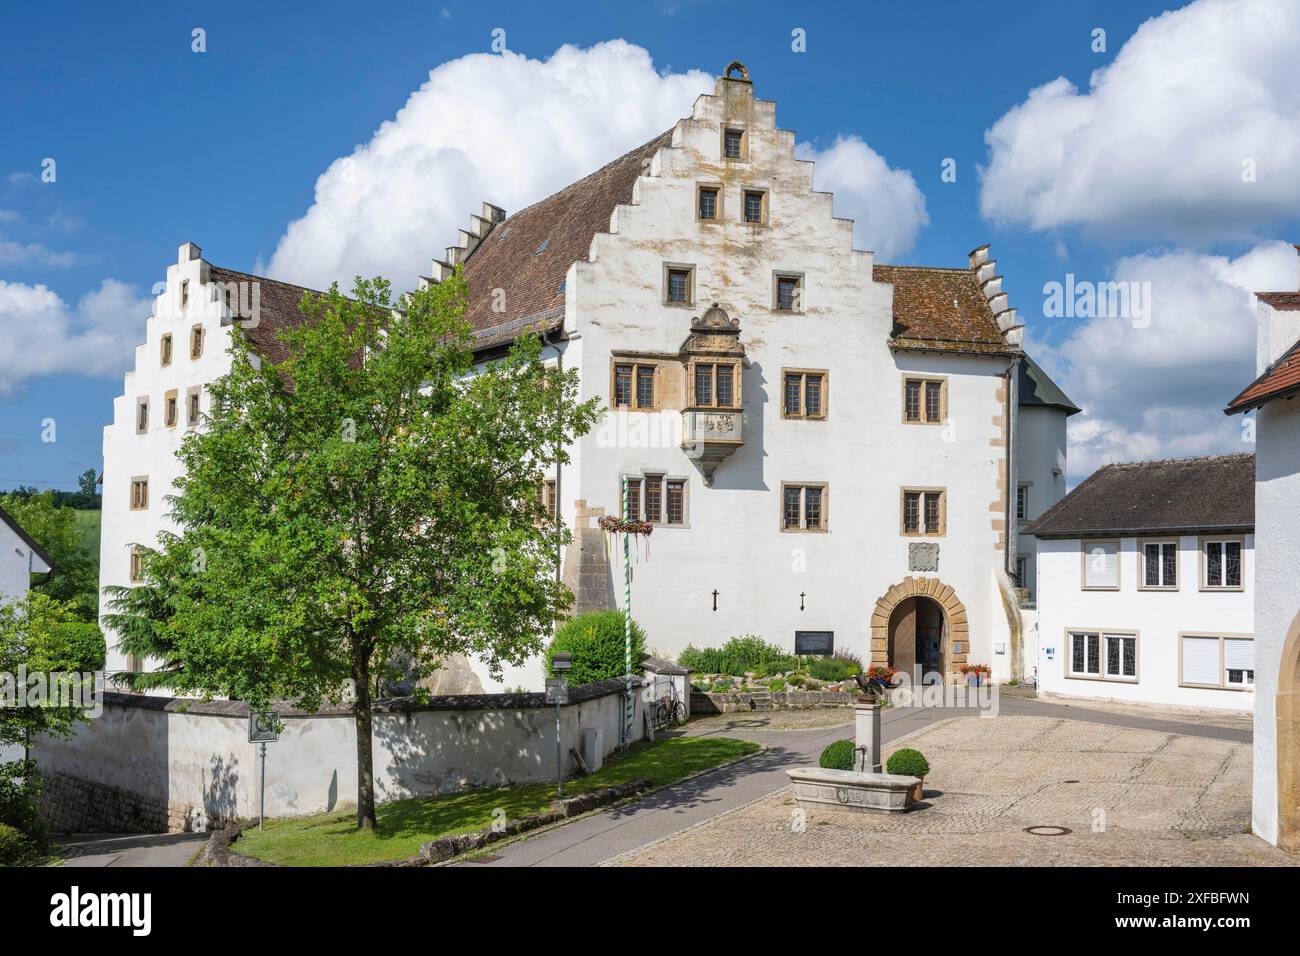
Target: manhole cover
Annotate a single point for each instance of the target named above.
(1048, 831)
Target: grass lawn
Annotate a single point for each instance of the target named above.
(332, 839)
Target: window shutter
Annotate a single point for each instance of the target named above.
(1201, 660)
(1101, 566)
(1238, 654)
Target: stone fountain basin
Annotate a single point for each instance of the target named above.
(853, 790)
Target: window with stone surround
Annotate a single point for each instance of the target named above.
(171, 409)
(657, 498)
(925, 401)
(196, 342)
(165, 349)
(804, 506)
(193, 405)
(139, 494)
(924, 512)
(787, 292)
(708, 206)
(733, 143)
(803, 393)
(714, 384)
(755, 205)
(137, 565)
(142, 415)
(633, 386)
(679, 284)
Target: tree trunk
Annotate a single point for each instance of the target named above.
(365, 755)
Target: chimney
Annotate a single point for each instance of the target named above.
(1277, 325)
(188, 252)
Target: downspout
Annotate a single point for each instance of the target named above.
(1010, 596)
(559, 469)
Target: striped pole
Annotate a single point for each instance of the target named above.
(627, 614)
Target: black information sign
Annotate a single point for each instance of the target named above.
(814, 642)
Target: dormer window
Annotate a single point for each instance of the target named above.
(733, 144)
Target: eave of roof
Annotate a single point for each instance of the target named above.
(1279, 380)
(1038, 389)
(26, 538)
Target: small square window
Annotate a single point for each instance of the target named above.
(139, 494)
(755, 206)
(789, 294)
(708, 205)
(171, 409)
(678, 286)
(733, 144)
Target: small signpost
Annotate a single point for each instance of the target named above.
(815, 643)
(263, 728)
(557, 693)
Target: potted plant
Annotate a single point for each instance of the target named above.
(909, 763)
(980, 672)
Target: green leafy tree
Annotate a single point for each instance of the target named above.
(39, 635)
(75, 580)
(364, 500)
(140, 616)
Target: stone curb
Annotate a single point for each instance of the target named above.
(217, 851)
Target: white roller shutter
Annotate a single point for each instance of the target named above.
(1201, 661)
(1100, 565)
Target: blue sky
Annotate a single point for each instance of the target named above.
(156, 145)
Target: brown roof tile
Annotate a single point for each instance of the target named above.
(1279, 379)
(277, 309)
(527, 255)
(1153, 497)
(941, 310)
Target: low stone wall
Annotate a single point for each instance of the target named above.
(703, 704)
(160, 763)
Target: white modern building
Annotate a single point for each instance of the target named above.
(1272, 397)
(1146, 585)
(820, 441)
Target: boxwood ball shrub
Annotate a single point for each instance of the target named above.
(837, 756)
(907, 763)
(596, 642)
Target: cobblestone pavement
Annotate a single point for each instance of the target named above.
(1130, 796)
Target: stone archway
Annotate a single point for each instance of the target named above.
(956, 629)
(1288, 741)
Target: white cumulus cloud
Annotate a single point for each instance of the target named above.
(511, 130)
(1155, 385)
(1168, 137)
(40, 334)
(886, 205)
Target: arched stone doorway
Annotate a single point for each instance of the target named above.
(916, 600)
(1288, 742)
(916, 636)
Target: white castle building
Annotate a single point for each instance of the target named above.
(821, 442)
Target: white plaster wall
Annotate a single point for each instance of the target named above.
(15, 565)
(203, 766)
(733, 541)
(1277, 518)
(153, 454)
(1157, 616)
(1040, 463)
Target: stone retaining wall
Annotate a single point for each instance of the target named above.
(703, 704)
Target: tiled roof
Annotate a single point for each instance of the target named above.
(941, 310)
(1286, 301)
(277, 309)
(1280, 379)
(1153, 497)
(1037, 388)
(528, 254)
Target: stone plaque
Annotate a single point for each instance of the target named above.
(923, 556)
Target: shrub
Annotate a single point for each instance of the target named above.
(596, 641)
(722, 686)
(837, 668)
(776, 684)
(907, 763)
(15, 848)
(740, 655)
(796, 680)
(838, 756)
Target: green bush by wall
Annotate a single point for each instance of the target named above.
(596, 641)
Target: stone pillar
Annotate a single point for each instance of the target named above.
(866, 727)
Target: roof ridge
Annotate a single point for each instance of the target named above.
(1140, 463)
(254, 275)
(591, 175)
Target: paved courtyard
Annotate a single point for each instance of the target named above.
(1129, 796)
